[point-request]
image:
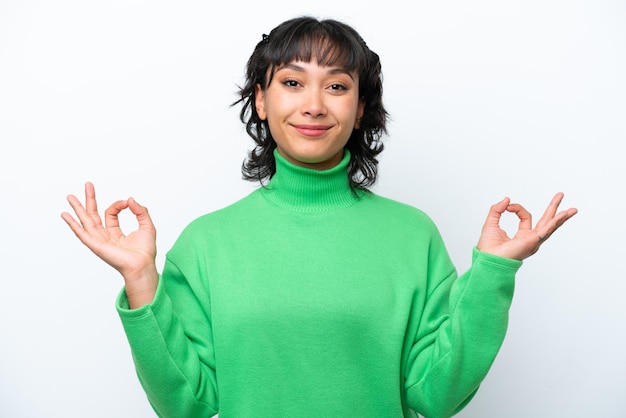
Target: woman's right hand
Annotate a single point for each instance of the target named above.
(133, 255)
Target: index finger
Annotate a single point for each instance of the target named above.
(525, 218)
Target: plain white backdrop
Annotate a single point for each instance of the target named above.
(488, 98)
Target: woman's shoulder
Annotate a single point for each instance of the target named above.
(394, 206)
(234, 212)
(387, 209)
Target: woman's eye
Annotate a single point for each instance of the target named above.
(291, 83)
(338, 87)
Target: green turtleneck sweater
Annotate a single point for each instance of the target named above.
(304, 299)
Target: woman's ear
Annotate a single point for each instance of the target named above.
(259, 102)
(359, 113)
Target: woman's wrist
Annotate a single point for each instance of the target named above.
(141, 287)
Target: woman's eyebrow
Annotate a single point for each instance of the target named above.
(339, 70)
(291, 66)
(331, 70)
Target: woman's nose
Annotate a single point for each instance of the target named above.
(313, 104)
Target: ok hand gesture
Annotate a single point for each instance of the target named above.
(133, 255)
(527, 240)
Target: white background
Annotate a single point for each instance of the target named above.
(488, 98)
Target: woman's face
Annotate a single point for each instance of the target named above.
(311, 111)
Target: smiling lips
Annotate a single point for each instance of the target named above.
(312, 130)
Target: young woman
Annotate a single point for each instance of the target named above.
(312, 296)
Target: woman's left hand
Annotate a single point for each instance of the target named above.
(527, 240)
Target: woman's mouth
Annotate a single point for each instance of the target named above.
(311, 130)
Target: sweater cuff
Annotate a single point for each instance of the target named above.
(480, 256)
(126, 312)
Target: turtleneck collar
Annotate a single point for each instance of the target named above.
(308, 190)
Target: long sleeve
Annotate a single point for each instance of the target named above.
(460, 330)
(174, 362)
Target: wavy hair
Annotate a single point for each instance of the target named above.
(330, 43)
